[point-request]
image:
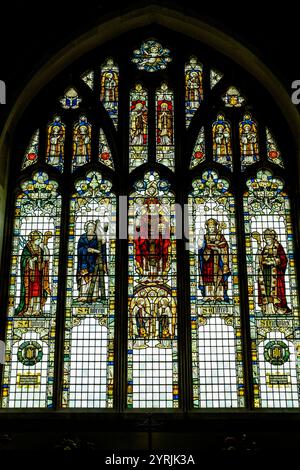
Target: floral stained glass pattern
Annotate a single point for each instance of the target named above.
(222, 149)
(193, 88)
(90, 296)
(32, 151)
(199, 150)
(248, 141)
(138, 127)
(151, 56)
(272, 289)
(165, 149)
(82, 134)
(109, 88)
(30, 337)
(152, 329)
(215, 313)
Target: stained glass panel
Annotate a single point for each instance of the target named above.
(233, 98)
(217, 361)
(138, 127)
(272, 289)
(248, 141)
(222, 149)
(105, 156)
(193, 88)
(32, 151)
(165, 150)
(56, 143)
(199, 150)
(90, 296)
(152, 329)
(71, 99)
(30, 337)
(109, 88)
(82, 134)
(151, 56)
(273, 152)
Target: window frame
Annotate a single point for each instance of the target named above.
(35, 117)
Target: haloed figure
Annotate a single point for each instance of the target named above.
(272, 264)
(213, 259)
(140, 325)
(92, 263)
(164, 320)
(165, 124)
(35, 287)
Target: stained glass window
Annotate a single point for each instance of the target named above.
(90, 296)
(30, 337)
(151, 56)
(32, 151)
(82, 133)
(138, 127)
(231, 289)
(193, 88)
(273, 152)
(56, 143)
(109, 88)
(217, 361)
(222, 149)
(165, 149)
(272, 287)
(105, 156)
(152, 329)
(248, 141)
(199, 149)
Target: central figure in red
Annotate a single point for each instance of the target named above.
(152, 240)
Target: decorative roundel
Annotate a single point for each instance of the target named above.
(30, 353)
(276, 353)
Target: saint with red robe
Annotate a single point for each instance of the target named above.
(35, 286)
(213, 258)
(152, 242)
(271, 275)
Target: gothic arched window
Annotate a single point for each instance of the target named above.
(152, 239)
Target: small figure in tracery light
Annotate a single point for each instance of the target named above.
(138, 119)
(164, 116)
(56, 140)
(194, 87)
(81, 142)
(248, 140)
(222, 141)
(109, 91)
